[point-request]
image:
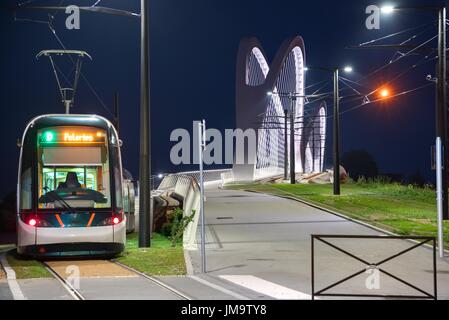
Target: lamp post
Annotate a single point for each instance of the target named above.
(441, 111)
(285, 144)
(292, 139)
(336, 125)
(336, 130)
(145, 131)
(440, 115)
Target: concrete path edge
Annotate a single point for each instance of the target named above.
(11, 278)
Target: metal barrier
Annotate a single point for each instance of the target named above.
(421, 241)
(210, 176)
(185, 187)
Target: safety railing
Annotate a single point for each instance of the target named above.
(420, 241)
(209, 176)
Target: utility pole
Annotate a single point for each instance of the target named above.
(336, 135)
(441, 112)
(201, 147)
(145, 130)
(285, 144)
(439, 167)
(292, 139)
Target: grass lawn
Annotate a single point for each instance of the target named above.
(26, 268)
(160, 259)
(405, 210)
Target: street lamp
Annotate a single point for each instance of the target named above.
(336, 124)
(145, 204)
(292, 138)
(387, 9)
(440, 114)
(384, 93)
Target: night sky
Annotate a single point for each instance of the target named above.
(193, 50)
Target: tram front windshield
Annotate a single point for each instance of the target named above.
(73, 168)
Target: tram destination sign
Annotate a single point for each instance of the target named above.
(71, 136)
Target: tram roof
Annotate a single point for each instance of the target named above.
(50, 120)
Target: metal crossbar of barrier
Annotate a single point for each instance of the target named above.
(421, 240)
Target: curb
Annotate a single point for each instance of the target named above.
(11, 277)
(188, 262)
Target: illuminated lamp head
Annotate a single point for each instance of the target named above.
(384, 93)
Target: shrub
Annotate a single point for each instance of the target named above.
(166, 229)
(176, 223)
(180, 223)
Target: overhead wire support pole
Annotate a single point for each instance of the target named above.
(145, 205)
(336, 142)
(439, 177)
(201, 147)
(285, 144)
(442, 105)
(292, 139)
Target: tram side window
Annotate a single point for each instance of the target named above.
(115, 155)
(25, 189)
(26, 194)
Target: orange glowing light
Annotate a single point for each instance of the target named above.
(384, 93)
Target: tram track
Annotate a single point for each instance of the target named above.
(154, 280)
(55, 267)
(74, 293)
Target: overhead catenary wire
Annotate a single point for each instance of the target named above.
(383, 99)
(393, 34)
(408, 40)
(56, 10)
(408, 53)
(347, 82)
(403, 55)
(414, 66)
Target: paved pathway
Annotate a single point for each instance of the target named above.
(263, 243)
